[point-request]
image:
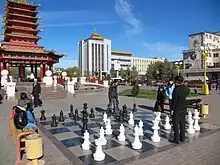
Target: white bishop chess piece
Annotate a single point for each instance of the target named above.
(136, 144)
(121, 136)
(155, 137)
(131, 119)
(196, 120)
(141, 125)
(190, 129)
(167, 125)
(105, 117)
(86, 142)
(102, 140)
(108, 130)
(99, 155)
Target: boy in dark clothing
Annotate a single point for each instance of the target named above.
(113, 97)
(160, 99)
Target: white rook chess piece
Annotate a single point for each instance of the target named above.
(131, 119)
(86, 142)
(141, 125)
(136, 144)
(99, 155)
(167, 125)
(196, 120)
(190, 129)
(189, 116)
(102, 140)
(155, 137)
(108, 130)
(105, 117)
(121, 136)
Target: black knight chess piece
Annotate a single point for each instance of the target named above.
(61, 118)
(42, 117)
(84, 121)
(84, 108)
(54, 122)
(71, 114)
(92, 113)
(76, 117)
(125, 111)
(134, 108)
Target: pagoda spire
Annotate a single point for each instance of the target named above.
(20, 1)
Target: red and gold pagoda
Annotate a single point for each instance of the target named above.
(19, 47)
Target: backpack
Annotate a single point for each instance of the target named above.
(20, 118)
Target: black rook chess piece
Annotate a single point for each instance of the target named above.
(134, 108)
(54, 121)
(92, 113)
(61, 118)
(42, 117)
(76, 117)
(125, 111)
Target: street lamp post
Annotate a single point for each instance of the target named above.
(205, 53)
(178, 66)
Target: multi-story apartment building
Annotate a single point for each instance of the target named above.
(94, 55)
(141, 63)
(121, 60)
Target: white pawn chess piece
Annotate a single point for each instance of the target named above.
(190, 129)
(99, 155)
(196, 120)
(86, 142)
(131, 119)
(108, 130)
(105, 117)
(121, 136)
(158, 114)
(102, 140)
(141, 125)
(167, 125)
(136, 144)
(155, 137)
(189, 116)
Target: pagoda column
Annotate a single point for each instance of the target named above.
(41, 71)
(35, 71)
(22, 71)
(46, 68)
(32, 68)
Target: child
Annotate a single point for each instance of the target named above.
(160, 99)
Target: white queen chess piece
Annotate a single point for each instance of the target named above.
(102, 140)
(167, 125)
(131, 119)
(141, 125)
(86, 142)
(108, 130)
(121, 136)
(155, 137)
(196, 120)
(99, 155)
(105, 117)
(190, 129)
(136, 144)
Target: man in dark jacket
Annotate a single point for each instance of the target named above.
(178, 109)
(36, 93)
(113, 96)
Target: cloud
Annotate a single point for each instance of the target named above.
(124, 10)
(66, 63)
(172, 52)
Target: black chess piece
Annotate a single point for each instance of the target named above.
(61, 118)
(125, 111)
(71, 114)
(134, 108)
(76, 117)
(84, 107)
(71, 107)
(92, 113)
(120, 117)
(42, 117)
(84, 121)
(54, 121)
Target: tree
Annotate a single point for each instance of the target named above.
(135, 90)
(134, 74)
(113, 72)
(73, 71)
(123, 74)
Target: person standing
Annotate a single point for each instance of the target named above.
(113, 97)
(169, 91)
(36, 93)
(178, 109)
(160, 99)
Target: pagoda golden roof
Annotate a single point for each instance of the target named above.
(114, 52)
(96, 36)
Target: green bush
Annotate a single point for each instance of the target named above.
(135, 90)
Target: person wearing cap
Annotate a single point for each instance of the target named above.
(36, 93)
(178, 109)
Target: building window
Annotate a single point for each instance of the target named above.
(102, 50)
(210, 36)
(215, 54)
(92, 59)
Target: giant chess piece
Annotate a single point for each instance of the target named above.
(189, 116)
(120, 117)
(71, 114)
(76, 117)
(196, 120)
(190, 129)
(61, 118)
(121, 136)
(157, 116)
(54, 121)
(155, 137)
(105, 116)
(99, 155)
(125, 111)
(140, 127)
(108, 130)
(134, 108)
(86, 143)
(136, 144)
(167, 125)
(84, 121)
(92, 113)
(84, 108)
(131, 119)
(43, 117)
(102, 140)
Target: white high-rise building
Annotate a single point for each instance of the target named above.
(94, 55)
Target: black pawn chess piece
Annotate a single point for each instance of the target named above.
(71, 114)
(54, 121)
(134, 108)
(76, 117)
(42, 117)
(125, 111)
(71, 107)
(92, 113)
(61, 118)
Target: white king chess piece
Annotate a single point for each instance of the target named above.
(141, 125)
(155, 137)
(196, 120)
(86, 142)
(136, 144)
(121, 136)
(105, 117)
(167, 125)
(108, 130)
(131, 119)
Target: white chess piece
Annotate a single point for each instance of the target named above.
(136, 144)
(102, 140)
(141, 125)
(155, 137)
(167, 125)
(86, 142)
(189, 116)
(196, 120)
(105, 117)
(190, 129)
(121, 136)
(108, 130)
(131, 119)
(157, 117)
(99, 155)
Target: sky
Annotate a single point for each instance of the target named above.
(147, 28)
